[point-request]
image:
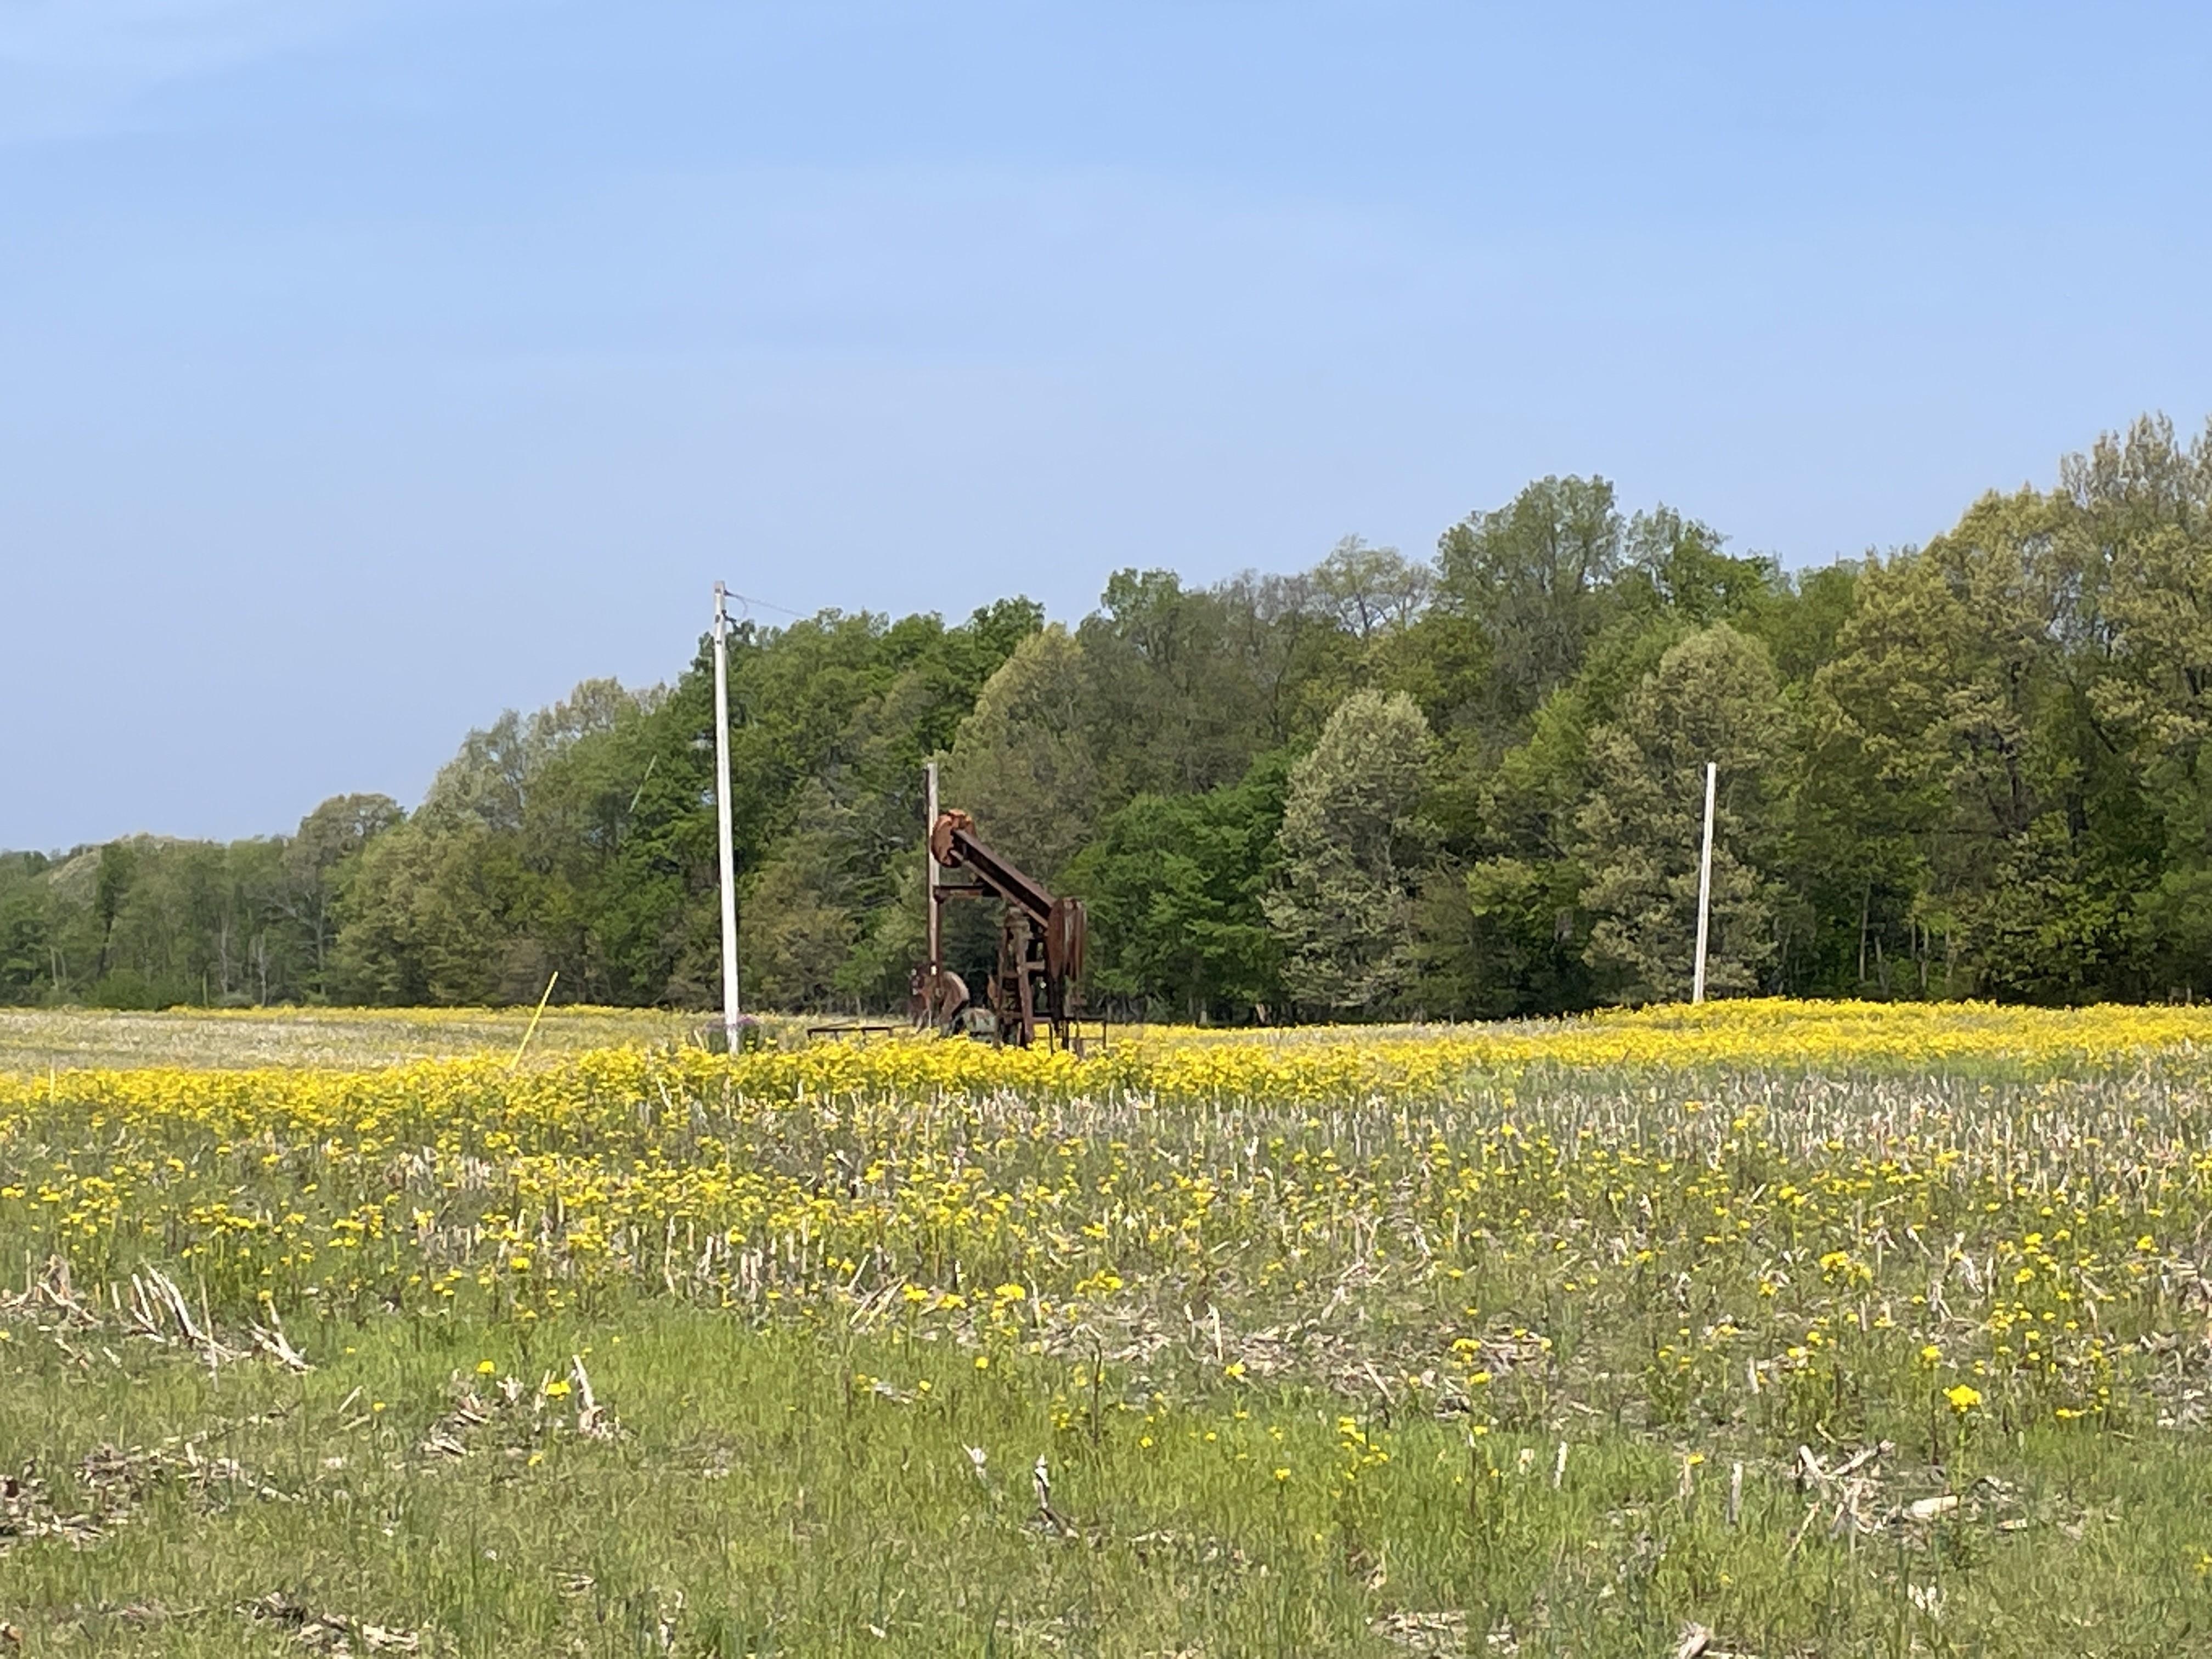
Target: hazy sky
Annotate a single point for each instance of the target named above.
(366, 368)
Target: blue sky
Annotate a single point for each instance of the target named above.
(366, 368)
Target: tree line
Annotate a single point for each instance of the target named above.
(1466, 785)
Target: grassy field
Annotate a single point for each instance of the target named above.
(1778, 1329)
(35, 1039)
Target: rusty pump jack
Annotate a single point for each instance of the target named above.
(1039, 937)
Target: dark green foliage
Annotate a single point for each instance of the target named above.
(581, 842)
(1976, 767)
(1175, 885)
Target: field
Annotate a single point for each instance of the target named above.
(1774, 1329)
(340, 1038)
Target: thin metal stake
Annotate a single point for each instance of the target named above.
(531, 1030)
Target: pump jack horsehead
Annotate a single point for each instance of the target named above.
(1040, 939)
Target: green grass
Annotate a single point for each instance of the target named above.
(33, 1039)
(752, 1501)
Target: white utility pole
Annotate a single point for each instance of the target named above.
(1705, 886)
(936, 968)
(722, 818)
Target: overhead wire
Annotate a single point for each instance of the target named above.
(748, 601)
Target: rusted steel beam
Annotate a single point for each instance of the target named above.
(953, 843)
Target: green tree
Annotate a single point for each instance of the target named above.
(1503, 927)
(1170, 708)
(1954, 742)
(117, 869)
(1535, 580)
(1353, 849)
(1022, 763)
(484, 894)
(27, 970)
(428, 918)
(797, 926)
(316, 863)
(1691, 575)
(1176, 885)
(1373, 590)
(1713, 697)
(2138, 568)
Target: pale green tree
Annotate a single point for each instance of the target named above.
(1370, 590)
(1021, 762)
(1712, 697)
(1353, 849)
(2139, 541)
